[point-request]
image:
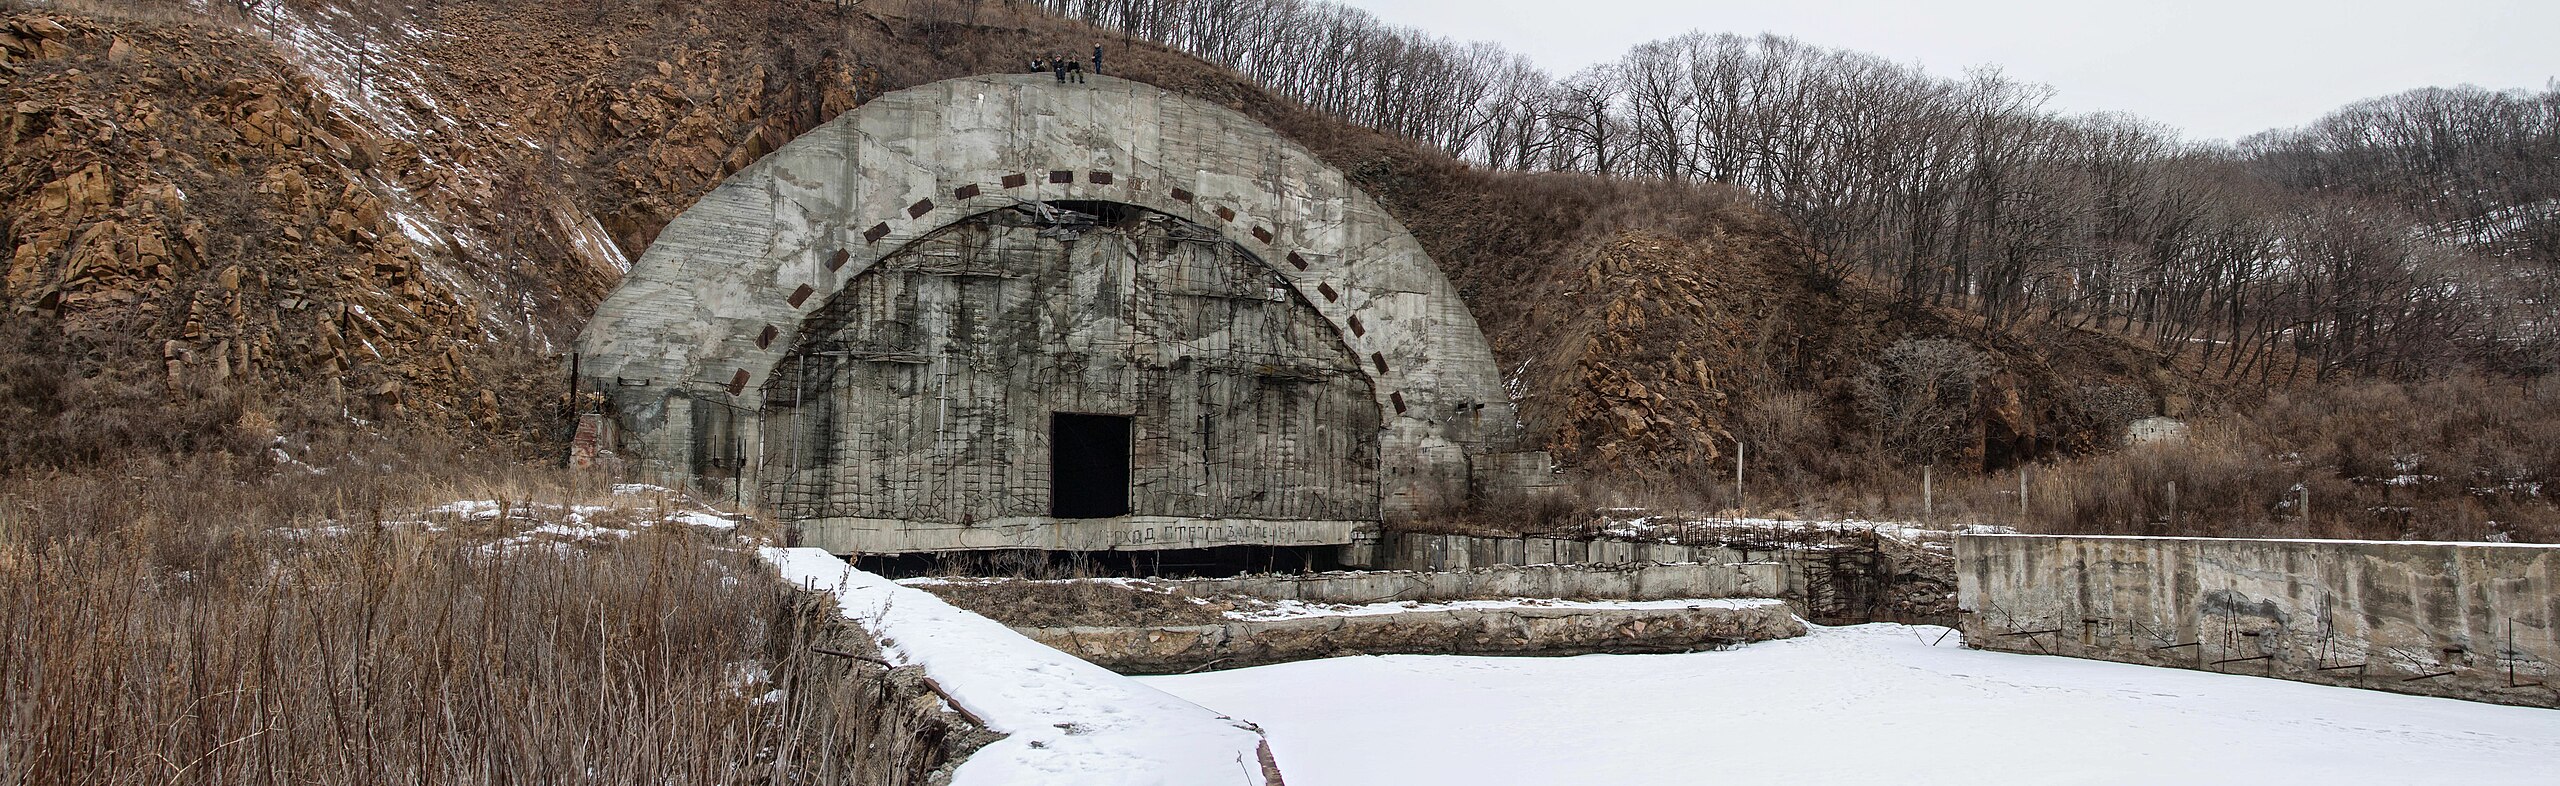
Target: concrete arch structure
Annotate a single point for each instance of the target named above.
(683, 347)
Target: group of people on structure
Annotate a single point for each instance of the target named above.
(1067, 68)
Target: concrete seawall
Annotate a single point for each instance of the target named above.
(1579, 629)
(2460, 620)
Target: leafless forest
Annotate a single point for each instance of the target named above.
(2403, 237)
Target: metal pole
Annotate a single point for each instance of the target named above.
(1739, 504)
(1928, 501)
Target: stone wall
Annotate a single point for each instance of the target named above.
(1462, 630)
(2462, 620)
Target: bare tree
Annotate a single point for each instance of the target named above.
(1918, 397)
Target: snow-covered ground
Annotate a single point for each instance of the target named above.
(1862, 704)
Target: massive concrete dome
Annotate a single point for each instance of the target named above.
(1002, 312)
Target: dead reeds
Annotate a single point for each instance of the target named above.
(225, 620)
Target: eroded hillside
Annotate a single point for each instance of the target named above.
(390, 215)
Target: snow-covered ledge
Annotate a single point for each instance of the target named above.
(1066, 722)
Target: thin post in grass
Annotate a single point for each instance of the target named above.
(2022, 494)
(2173, 506)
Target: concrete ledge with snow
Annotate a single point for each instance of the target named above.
(1066, 722)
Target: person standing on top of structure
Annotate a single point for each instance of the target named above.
(1075, 68)
(1097, 58)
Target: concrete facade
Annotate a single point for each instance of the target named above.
(2462, 620)
(869, 330)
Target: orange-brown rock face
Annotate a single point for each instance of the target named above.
(358, 210)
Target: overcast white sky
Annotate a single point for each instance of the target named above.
(2216, 70)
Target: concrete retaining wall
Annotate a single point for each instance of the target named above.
(1639, 581)
(1416, 551)
(1831, 585)
(2462, 620)
(1508, 630)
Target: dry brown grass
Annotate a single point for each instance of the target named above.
(224, 620)
(2464, 458)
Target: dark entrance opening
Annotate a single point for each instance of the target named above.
(1088, 466)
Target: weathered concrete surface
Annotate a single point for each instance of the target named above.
(1422, 551)
(1510, 630)
(2463, 620)
(686, 346)
(1639, 581)
(1829, 583)
(918, 406)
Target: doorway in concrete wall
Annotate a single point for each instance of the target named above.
(1088, 465)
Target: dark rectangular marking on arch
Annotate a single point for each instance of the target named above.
(1297, 261)
(764, 340)
(738, 383)
(1062, 176)
(1262, 234)
(836, 260)
(1379, 359)
(1098, 178)
(801, 295)
(969, 191)
(1398, 398)
(1182, 196)
(1326, 290)
(876, 232)
(1226, 215)
(1357, 329)
(1016, 181)
(921, 207)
